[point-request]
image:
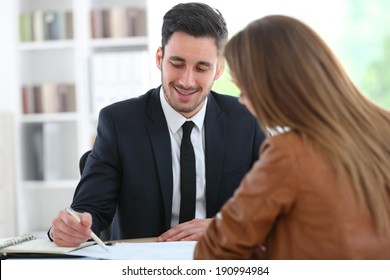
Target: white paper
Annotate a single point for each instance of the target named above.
(181, 250)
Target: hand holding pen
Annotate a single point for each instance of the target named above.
(93, 235)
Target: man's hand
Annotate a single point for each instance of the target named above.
(68, 232)
(188, 231)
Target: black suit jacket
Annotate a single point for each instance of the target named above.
(129, 171)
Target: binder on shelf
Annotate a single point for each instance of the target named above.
(117, 76)
(47, 149)
(37, 153)
(53, 162)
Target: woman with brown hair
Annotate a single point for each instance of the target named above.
(321, 189)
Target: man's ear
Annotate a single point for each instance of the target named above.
(220, 68)
(159, 58)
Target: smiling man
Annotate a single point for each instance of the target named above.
(189, 66)
(133, 175)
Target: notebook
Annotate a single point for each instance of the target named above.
(31, 245)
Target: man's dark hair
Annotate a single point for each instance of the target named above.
(195, 19)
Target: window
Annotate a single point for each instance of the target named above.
(358, 31)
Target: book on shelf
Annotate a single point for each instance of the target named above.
(65, 25)
(118, 22)
(28, 100)
(40, 25)
(139, 22)
(51, 27)
(37, 105)
(48, 98)
(26, 27)
(66, 98)
(106, 28)
(69, 25)
(38, 29)
(96, 26)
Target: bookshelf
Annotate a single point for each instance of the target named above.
(74, 57)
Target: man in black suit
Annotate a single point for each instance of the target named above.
(133, 171)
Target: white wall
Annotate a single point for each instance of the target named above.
(8, 61)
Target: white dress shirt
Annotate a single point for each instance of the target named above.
(175, 121)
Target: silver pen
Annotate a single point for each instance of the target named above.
(93, 235)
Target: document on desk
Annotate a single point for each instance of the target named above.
(36, 246)
(181, 250)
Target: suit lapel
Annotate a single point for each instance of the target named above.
(159, 137)
(215, 130)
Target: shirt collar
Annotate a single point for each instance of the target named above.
(276, 130)
(175, 120)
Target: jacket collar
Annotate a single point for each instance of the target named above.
(215, 140)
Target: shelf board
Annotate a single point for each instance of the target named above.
(118, 42)
(46, 45)
(55, 117)
(52, 184)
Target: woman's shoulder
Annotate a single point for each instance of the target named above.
(288, 140)
(287, 146)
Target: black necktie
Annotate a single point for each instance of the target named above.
(187, 175)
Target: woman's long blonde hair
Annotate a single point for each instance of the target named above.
(293, 79)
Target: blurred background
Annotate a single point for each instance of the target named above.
(63, 60)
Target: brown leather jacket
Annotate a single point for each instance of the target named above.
(292, 203)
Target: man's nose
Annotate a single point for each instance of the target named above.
(187, 78)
